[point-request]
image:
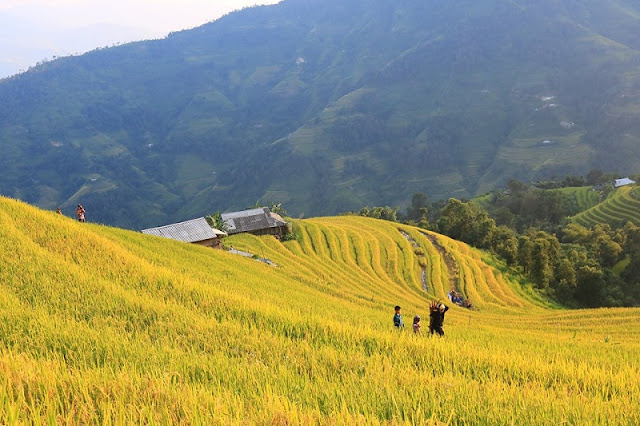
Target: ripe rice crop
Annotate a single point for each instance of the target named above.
(105, 326)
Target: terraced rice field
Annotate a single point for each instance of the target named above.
(622, 206)
(584, 197)
(561, 150)
(106, 326)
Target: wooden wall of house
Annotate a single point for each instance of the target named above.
(213, 243)
(278, 232)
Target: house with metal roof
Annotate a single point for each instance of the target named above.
(195, 231)
(259, 221)
(623, 182)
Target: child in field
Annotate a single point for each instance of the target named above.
(437, 318)
(397, 319)
(416, 324)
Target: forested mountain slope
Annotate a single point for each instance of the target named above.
(327, 106)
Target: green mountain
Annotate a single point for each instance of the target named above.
(326, 106)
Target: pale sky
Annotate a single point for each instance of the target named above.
(31, 30)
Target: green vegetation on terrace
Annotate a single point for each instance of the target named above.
(584, 197)
(621, 206)
(105, 326)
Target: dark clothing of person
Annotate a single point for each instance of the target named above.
(438, 330)
(397, 321)
(436, 319)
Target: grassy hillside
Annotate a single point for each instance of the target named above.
(620, 207)
(583, 197)
(327, 106)
(102, 325)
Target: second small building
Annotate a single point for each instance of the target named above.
(260, 221)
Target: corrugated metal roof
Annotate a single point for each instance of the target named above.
(246, 213)
(623, 182)
(190, 231)
(251, 220)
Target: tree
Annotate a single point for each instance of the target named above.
(466, 222)
(424, 223)
(277, 209)
(575, 233)
(632, 240)
(505, 244)
(504, 216)
(215, 221)
(525, 253)
(419, 207)
(589, 290)
(594, 176)
(599, 241)
(565, 280)
(538, 254)
(632, 249)
(541, 266)
(514, 187)
(384, 213)
(608, 251)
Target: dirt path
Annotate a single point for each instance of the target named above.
(423, 273)
(252, 256)
(450, 262)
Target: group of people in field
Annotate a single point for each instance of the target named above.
(436, 319)
(456, 297)
(80, 211)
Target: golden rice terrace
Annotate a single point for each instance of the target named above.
(104, 326)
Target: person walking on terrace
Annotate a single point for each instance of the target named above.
(80, 213)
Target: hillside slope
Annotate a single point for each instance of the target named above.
(582, 197)
(327, 106)
(621, 206)
(102, 325)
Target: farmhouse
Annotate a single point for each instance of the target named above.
(196, 231)
(259, 221)
(623, 182)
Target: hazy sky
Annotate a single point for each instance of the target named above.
(31, 30)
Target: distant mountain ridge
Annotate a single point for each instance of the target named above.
(327, 106)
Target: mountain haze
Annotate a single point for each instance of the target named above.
(327, 106)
